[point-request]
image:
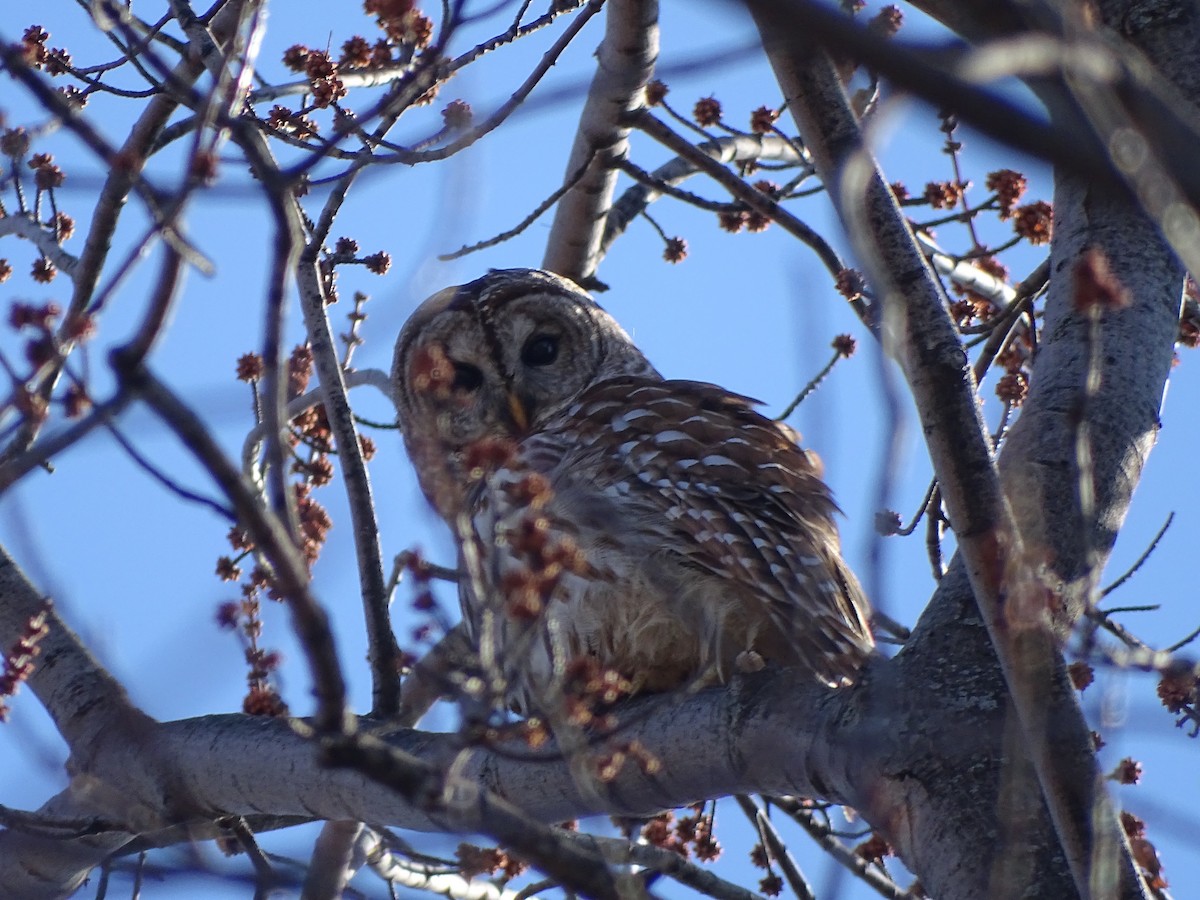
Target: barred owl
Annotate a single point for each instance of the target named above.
(662, 529)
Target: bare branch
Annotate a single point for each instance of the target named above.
(624, 65)
(709, 159)
(844, 855)
(45, 449)
(333, 860)
(422, 877)
(1129, 573)
(524, 223)
(1005, 583)
(773, 843)
(41, 237)
(666, 862)
(739, 149)
(289, 574)
(167, 482)
(383, 654)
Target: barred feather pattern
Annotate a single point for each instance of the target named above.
(707, 533)
(663, 529)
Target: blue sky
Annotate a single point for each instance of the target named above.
(131, 567)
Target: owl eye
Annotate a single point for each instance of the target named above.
(467, 378)
(541, 350)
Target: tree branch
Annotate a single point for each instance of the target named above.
(1012, 596)
(289, 575)
(624, 65)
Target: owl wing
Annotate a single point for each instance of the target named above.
(689, 469)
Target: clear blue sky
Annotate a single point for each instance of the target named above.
(131, 567)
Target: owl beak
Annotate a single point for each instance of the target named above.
(516, 409)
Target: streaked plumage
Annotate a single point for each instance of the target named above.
(664, 528)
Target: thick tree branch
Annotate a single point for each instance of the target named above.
(624, 65)
(1012, 596)
(755, 745)
(900, 731)
(81, 696)
(97, 720)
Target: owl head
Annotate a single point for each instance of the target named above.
(495, 359)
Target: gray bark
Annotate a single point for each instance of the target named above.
(625, 62)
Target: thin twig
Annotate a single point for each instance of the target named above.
(905, 531)
(165, 480)
(812, 385)
(1004, 330)
(778, 849)
(660, 186)
(264, 872)
(288, 570)
(1140, 560)
(405, 156)
(663, 236)
(702, 157)
(687, 122)
(1179, 645)
(527, 221)
(1101, 619)
(1149, 607)
(842, 854)
(514, 33)
(40, 454)
(376, 378)
(673, 173)
(621, 852)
